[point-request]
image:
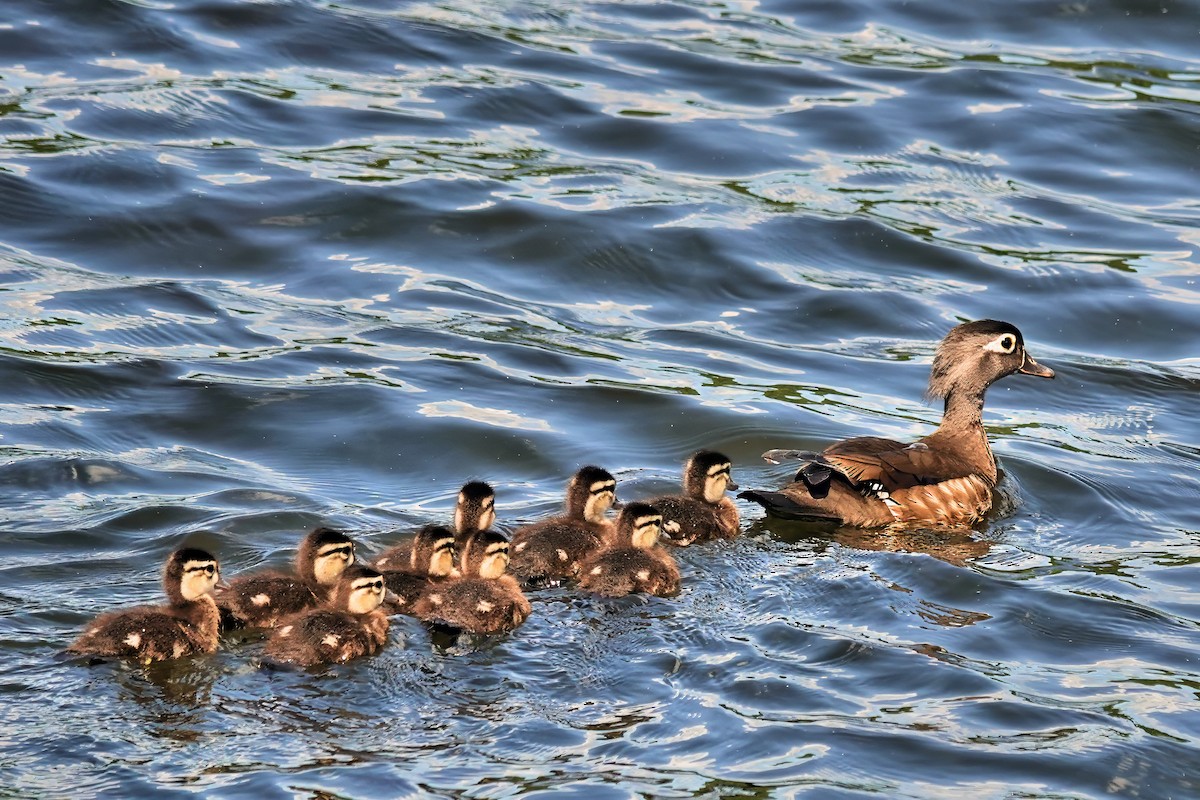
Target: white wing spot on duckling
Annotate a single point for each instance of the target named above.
(671, 526)
(597, 570)
(643, 575)
(133, 640)
(261, 599)
(331, 640)
(484, 607)
(436, 599)
(179, 649)
(521, 546)
(286, 630)
(562, 554)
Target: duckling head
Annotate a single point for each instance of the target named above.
(640, 524)
(485, 555)
(591, 493)
(324, 555)
(434, 552)
(475, 509)
(359, 590)
(190, 574)
(975, 355)
(707, 476)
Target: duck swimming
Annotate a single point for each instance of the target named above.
(703, 511)
(260, 600)
(945, 478)
(188, 624)
(485, 600)
(350, 626)
(634, 562)
(549, 551)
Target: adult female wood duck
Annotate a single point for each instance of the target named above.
(474, 510)
(946, 478)
(433, 559)
(186, 625)
(262, 599)
(549, 551)
(703, 511)
(634, 562)
(351, 625)
(485, 600)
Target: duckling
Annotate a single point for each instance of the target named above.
(475, 510)
(431, 561)
(635, 562)
(945, 478)
(351, 625)
(551, 550)
(703, 511)
(186, 625)
(262, 599)
(484, 600)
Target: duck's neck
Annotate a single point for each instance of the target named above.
(962, 431)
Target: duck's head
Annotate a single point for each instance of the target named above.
(434, 553)
(591, 493)
(640, 524)
(485, 555)
(359, 590)
(475, 509)
(324, 555)
(707, 476)
(190, 574)
(974, 355)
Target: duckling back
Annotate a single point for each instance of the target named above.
(629, 570)
(475, 605)
(554, 549)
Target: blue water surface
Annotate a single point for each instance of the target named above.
(272, 265)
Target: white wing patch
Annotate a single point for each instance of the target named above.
(643, 575)
(286, 630)
(484, 607)
(562, 554)
(261, 599)
(436, 599)
(179, 649)
(520, 547)
(597, 570)
(331, 640)
(133, 640)
(671, 526)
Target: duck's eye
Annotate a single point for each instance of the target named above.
(1003, 344)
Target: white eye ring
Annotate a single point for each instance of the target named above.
(1005, 343)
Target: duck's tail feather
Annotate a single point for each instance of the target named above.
(785, 506)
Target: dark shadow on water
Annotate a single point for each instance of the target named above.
(956, 546)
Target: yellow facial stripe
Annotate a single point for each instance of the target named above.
(599, 487)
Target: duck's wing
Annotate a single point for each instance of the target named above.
(883, 466)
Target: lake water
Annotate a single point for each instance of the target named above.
(266, 266)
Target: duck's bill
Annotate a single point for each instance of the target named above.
(1031, 367)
